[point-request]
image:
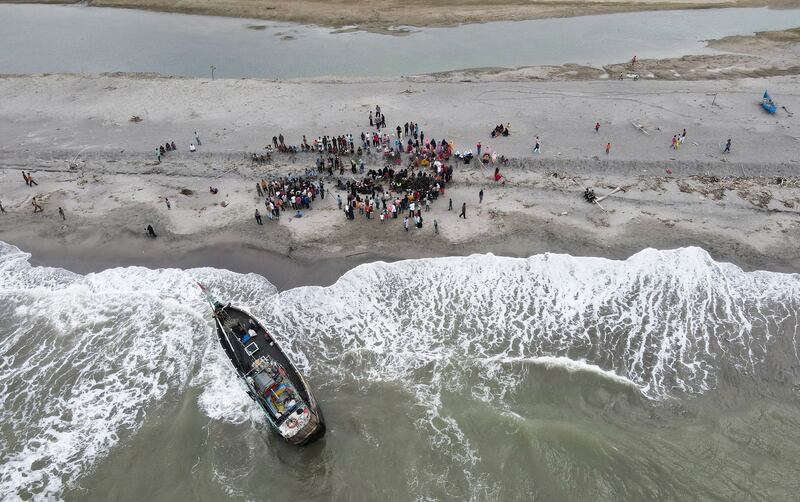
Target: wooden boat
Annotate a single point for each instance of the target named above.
(269, 376)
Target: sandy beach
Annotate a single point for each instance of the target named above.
(742, 207)
(386, 16)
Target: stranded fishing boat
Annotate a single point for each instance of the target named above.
(269, 377)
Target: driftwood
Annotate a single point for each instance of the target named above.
(598, 200)
(640, 127)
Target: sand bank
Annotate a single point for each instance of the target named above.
(742, 207)
(384, 15)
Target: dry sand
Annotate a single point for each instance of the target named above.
(382, 15)
(742, 207)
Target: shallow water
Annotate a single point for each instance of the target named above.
(667, 376)
(54, 39)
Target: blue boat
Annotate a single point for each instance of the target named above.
(768, 104)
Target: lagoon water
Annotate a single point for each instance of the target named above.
(53, 39)
(667, 376)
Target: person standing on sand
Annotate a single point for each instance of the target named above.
(370, 119)
(258, 217)
(608, 148)
(166, 201)
(259, 189)
(450, 205)
(36, 207)
(596, 127)
(435, 226)
(536, 146)
(61, 213)
(25, 177)
(727, 147)
(480, 196)
(463, 211)
(197, 139)
(339, 200)
(674, 142)
(405, 223)
(192, 148)
(150, 231)
(2, 209)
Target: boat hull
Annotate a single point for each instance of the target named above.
(242, 357)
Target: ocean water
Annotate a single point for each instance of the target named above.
(667, 376)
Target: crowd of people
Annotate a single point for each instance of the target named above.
(295, 192)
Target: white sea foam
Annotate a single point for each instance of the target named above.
(569, 365)
(84, 359)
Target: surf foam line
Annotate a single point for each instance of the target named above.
(564, 363)
(664, 320)
(84, 360)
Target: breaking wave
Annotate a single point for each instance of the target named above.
(85, 359)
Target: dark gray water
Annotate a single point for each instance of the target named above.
(54, 39)
(665, 377)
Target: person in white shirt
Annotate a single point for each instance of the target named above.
(192, 147)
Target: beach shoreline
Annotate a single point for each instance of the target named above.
(742, 208)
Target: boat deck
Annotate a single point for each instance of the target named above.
(243, 354)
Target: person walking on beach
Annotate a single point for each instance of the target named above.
(36, 207)
(370, 119)
(30, 179)
(339, 201)
(478, 147)
(258, 217)
(596, 127)
(435, 226)
(2, 209)
(450, 205)
(480, 196)
(536, 146)
(61, 213)
(405, 223)
(25, 177)
(197, 139)
(259, 189)
(674, 142)
(727, 147)
(463, 211)
(608, 148)
(166, 201)
(150, 231)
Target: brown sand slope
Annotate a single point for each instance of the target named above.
(381, 14)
